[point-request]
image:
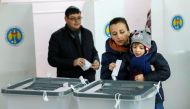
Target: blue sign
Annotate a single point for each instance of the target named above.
(107, 30)
(14, 36)
(177, 22)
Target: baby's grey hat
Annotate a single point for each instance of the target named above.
(142, 37)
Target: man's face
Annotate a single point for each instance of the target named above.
(74, 21)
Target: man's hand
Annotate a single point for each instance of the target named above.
(79, 62)
(95, 65)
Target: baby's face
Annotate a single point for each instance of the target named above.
(138, 49)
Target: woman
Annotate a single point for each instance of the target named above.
(116, 47)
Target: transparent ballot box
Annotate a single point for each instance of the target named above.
(117, 95)
(41, 93)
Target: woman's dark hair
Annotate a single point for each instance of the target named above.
(119, 20)
(72, 10)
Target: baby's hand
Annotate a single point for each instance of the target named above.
(139, 77)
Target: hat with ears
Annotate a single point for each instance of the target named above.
(142, 37)
(148, 22)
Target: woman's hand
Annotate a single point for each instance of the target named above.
(112, 66)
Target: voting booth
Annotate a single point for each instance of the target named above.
(170, 30)
(16, 44)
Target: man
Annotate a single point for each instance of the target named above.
(71, 47)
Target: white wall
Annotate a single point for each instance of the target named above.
(174, 45)
(48, 17)
(53, 13)
(134, 11)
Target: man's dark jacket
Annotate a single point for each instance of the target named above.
(63, 50)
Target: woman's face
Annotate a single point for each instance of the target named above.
(119, 33)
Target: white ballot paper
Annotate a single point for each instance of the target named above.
(116, 69)
(86, 66)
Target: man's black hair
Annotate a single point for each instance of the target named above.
(72, 10)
